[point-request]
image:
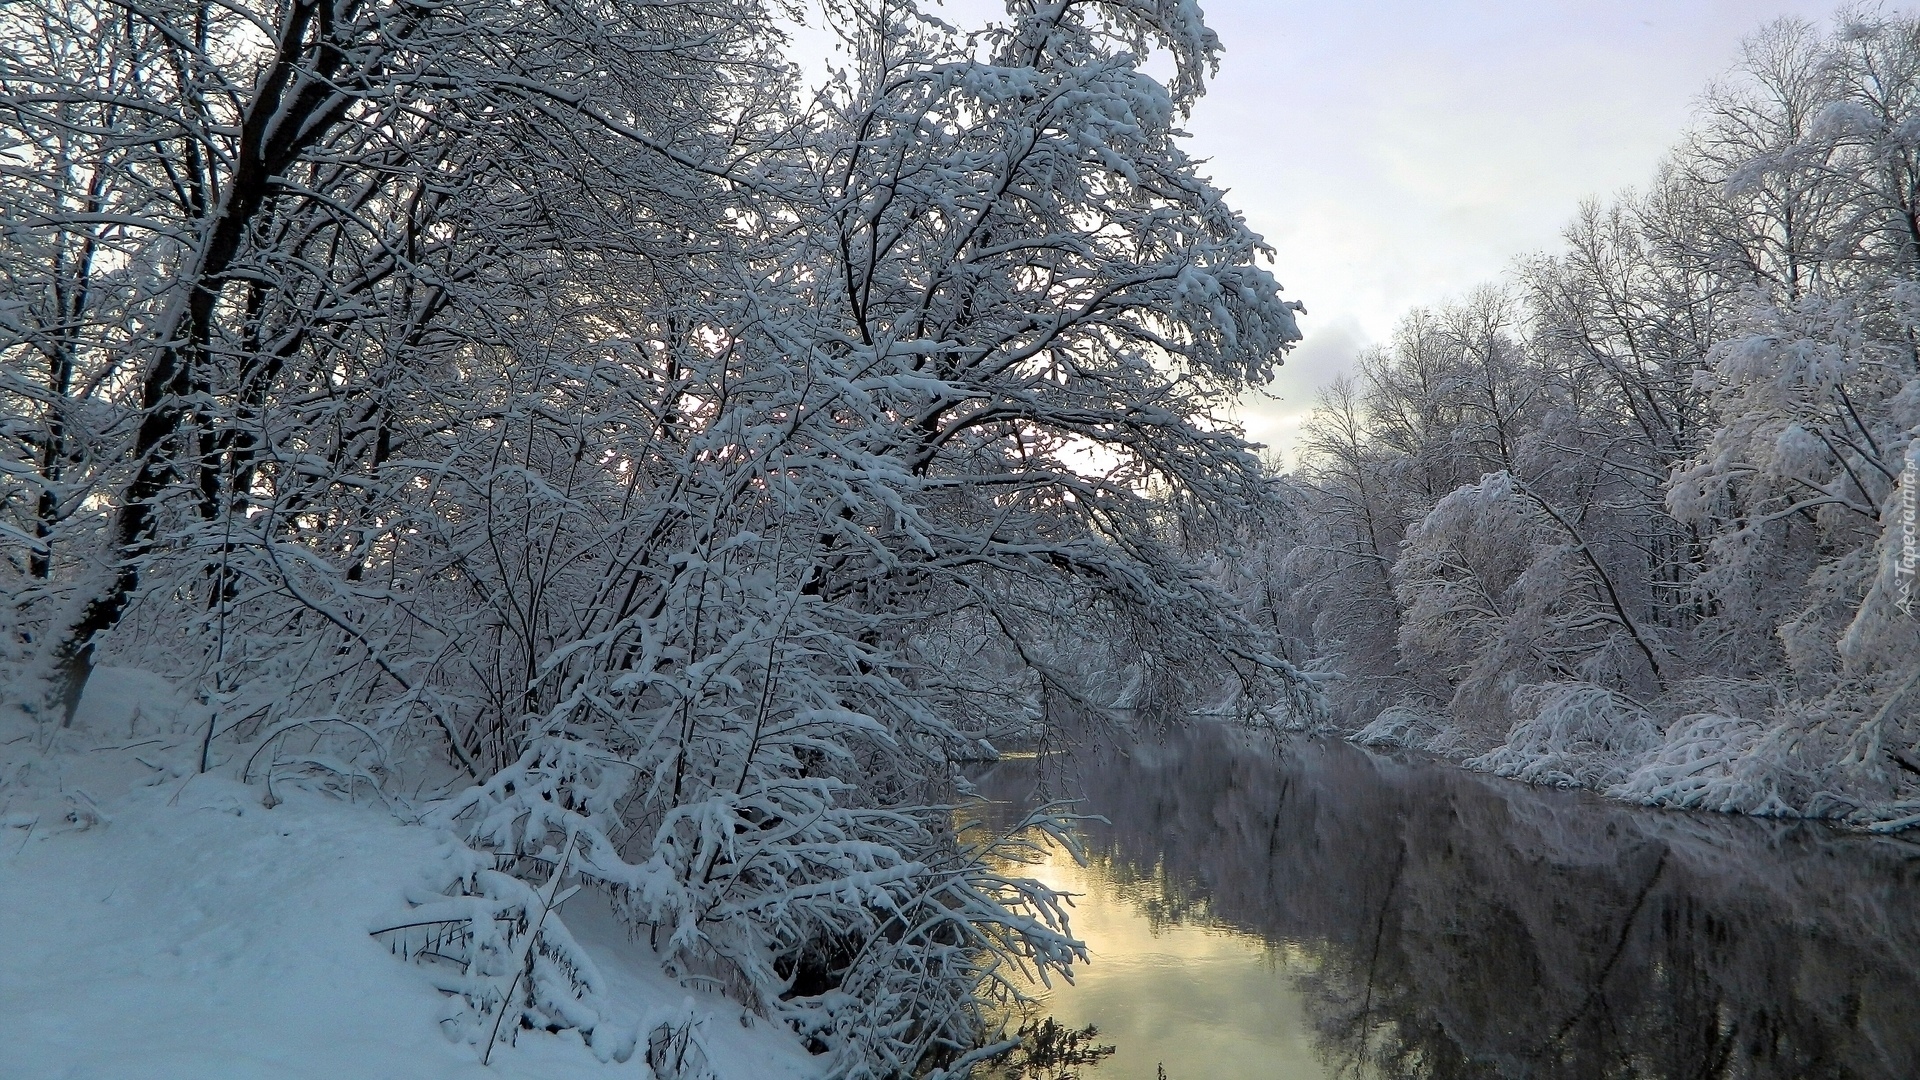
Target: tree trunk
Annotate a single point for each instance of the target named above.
(299, 100)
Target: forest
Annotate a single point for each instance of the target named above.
(665, 475)
(551, 417)
(1641, 517)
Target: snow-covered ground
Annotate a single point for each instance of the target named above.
(158, 923)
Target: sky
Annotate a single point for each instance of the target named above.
(1397, 153)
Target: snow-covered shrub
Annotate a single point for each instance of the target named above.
(778, 892)
(1408, 727)
(676, 1046)
(1713, 762)
(501, 954)
(1572, 735)
(1798, 757)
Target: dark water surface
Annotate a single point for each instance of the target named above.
(1305, 909)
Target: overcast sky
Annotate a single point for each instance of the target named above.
(1399, 152)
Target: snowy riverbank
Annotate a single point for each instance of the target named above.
(161, 923)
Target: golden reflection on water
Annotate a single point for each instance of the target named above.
(1311, 910)
(1205, 1001)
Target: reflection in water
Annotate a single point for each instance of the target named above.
(1308, 909)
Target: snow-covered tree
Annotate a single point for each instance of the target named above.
(1667, 491)
(558, 407)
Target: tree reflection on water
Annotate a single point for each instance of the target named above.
(1441, 924)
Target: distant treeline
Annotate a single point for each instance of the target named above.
(1634, 518)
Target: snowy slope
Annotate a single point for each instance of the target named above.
(191, 932)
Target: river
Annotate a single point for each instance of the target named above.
(1303, 909)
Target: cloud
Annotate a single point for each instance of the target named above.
(1273, 417)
